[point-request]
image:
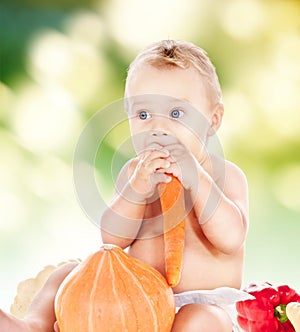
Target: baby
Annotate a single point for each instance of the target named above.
(174, 104)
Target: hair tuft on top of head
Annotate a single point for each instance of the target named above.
(169, 53)
(168, 49)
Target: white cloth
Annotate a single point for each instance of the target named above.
(223, 297)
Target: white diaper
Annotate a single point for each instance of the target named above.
(224, 297)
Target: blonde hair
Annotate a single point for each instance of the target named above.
(176, 53)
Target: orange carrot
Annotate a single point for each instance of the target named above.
(173, 210)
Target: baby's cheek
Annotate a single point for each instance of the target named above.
(139, 144)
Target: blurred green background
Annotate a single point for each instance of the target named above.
(62, 61)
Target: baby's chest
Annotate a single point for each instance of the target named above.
(153, 224)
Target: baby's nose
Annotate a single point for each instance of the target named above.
(157, 133)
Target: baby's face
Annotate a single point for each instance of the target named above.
(167, 106)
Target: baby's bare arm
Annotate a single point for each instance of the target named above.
(137, 182)
(222, 211)
(121, 220)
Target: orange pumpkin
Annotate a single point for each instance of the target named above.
(113, 292)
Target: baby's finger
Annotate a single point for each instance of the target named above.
(160, 178)
(157, 164)
(149, 155)
(174, 169)
(155, 154)
(155, 146)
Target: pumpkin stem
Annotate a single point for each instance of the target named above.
(109, 246)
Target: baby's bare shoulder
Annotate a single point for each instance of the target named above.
(234, 173)
(229, 177)
(225, 169)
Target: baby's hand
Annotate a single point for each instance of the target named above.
(151, 169)
(183, 165)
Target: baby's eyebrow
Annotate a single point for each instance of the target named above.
(139, 99)
(185, 100)
(153, 101)
(139, 103)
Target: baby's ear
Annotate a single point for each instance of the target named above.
(216, 119)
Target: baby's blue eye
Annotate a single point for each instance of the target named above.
(143, 115)
(175, 114)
